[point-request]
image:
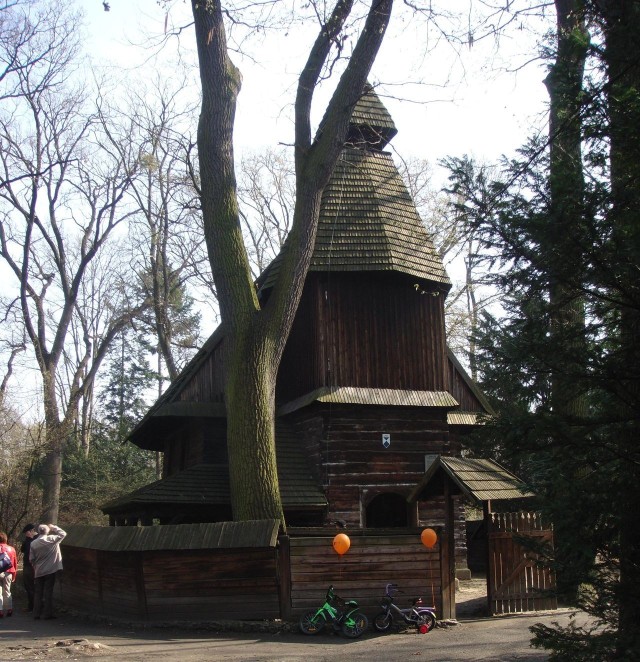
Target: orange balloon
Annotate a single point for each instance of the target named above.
(341, 543)
(429, 538)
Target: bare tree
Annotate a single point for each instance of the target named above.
(20, 447)
(60, 195)
(166, 233)
(267, 193)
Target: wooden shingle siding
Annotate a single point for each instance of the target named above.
(477, 478)
(354, 395)
(217, 535)
(368, 222)
(195, 491)
(371, 112)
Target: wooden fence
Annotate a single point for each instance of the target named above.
(374, 560)
(173, 573)
(142, 573)
(516, 581)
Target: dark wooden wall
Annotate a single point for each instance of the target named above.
(368, 330)
(460, 390)
(373, 560)
(207, 382)
(344, 442)
(197, 440)
(172, 585)
(252, 584)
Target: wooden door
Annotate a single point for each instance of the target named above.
(515, 581)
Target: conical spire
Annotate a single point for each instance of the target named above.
(368, 220)
(371, 124)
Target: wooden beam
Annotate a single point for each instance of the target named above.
(284, 576)
(448, 561)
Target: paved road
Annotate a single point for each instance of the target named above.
(498, 639)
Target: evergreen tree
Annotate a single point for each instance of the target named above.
(171, 325)
(541, 356)
(112, 467)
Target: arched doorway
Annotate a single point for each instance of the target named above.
(387, 510)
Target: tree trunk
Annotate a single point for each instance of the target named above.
(564, 251)
(622, 56)
(255, 338)
(250, 400)
(51, 477)
(564, 255)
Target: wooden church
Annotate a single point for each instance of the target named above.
(367, 393)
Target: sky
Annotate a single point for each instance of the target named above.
(445, 100)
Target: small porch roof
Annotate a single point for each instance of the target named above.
(477, 478)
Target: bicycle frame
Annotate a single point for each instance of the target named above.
(342, 615)
(328, 610)
(422, 617)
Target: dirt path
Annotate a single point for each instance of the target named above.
(489, 640)
(72, 638)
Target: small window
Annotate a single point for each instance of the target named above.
(387, 510)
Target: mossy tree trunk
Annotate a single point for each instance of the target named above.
(255, 336)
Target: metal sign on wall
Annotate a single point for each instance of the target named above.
(386, 440)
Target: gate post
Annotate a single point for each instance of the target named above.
(486, 511)
(447, 558)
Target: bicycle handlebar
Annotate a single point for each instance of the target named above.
(392, 587)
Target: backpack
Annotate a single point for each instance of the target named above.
(5, 562)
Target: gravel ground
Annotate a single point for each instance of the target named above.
(471, 639)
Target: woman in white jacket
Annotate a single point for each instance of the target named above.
(46, 559)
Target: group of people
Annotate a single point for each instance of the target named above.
(42, 560)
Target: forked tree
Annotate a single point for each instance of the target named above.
(255, 334)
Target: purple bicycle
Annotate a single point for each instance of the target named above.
(423, 618)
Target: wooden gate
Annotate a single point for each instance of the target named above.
(515, 582)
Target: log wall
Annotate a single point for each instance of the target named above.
(344, 442)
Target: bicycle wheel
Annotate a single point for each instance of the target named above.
(427, 619)
(354, 625)
(311, 622)
(382, 622)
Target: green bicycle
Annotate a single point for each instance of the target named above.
(342, 615)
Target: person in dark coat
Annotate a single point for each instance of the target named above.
(30, 533)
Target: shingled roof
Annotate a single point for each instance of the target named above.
(477, 478)
(371, 396)
(371, 122)
(208, 484)
(218, 535)
(368, 220)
